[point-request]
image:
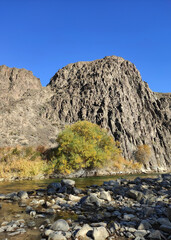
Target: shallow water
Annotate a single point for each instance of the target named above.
(11, 211)
(8, 187)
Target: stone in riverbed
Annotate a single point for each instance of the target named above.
(23, 195)
(144, 225)
(31, 224)
(100, 233)
(60, 225)
(134, 194)
(52, 188)
(91, 199)
(48, 232)
(74, 198)
(156, 235)
(68, 182)
(169, 213)
(128, 217)
(56, 236)
(2, 196)
(83, 231)
(164, 221)
(165, 228)
(105, 195)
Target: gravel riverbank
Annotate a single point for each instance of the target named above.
(118, 209)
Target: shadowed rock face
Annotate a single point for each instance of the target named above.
(109, 92)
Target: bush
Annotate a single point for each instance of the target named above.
(84, 145)
(143, 153)
(21, 161)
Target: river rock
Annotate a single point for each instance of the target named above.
(136, 195)
(156, 235)
(60, 225)
(52, 188)
(128, 217)
(48, 232)
(2, 196)
(56, 236)
(105, 195)
(23, 195)
(68, 182)
(169, 212)
(164, 221)
(31, 224)
(74, 198)
(100, 233)
(83, 231)
(165, 228)
(140, 233)
(144, 225)
(92, 199)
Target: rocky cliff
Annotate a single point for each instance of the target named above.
(109, 92)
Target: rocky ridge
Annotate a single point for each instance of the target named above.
(109, 92)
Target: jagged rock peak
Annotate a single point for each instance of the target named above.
(100, 67)
(108, 91)
(111, 93)
(17, 81)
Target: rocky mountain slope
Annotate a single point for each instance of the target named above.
(109, 92)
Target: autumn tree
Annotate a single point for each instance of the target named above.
(84, 145)
(143, 153)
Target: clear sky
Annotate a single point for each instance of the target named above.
(45, 35)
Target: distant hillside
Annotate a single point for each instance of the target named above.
(109, 92)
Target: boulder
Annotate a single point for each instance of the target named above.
(83, 231)
(156, 235)
(134, 194)
(52, 188)
(68, 182)
(100, 233)
(92, 199)
(60, 225)
(105, 195)
(23, 195)
(56, 236)
(144, 225)
(165, 228)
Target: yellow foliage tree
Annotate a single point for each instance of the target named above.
(84, 145)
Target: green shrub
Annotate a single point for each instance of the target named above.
(84, 145)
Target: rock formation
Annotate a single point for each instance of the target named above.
(109, 92)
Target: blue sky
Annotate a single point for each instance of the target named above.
(45, 35)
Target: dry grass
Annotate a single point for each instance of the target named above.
(24, 162)
(123, 164)
(21, 162)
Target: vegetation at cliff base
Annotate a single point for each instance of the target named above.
(143, 153)
(22, 161)
(82, 145)
(86, 145)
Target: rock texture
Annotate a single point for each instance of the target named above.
(22, 99)
(109, 92)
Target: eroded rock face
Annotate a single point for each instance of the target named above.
(22, 99)
(109, 92)
(16, 82)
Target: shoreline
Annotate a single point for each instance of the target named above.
(116, 209)
(85, 174)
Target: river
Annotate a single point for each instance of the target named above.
(12, 210)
